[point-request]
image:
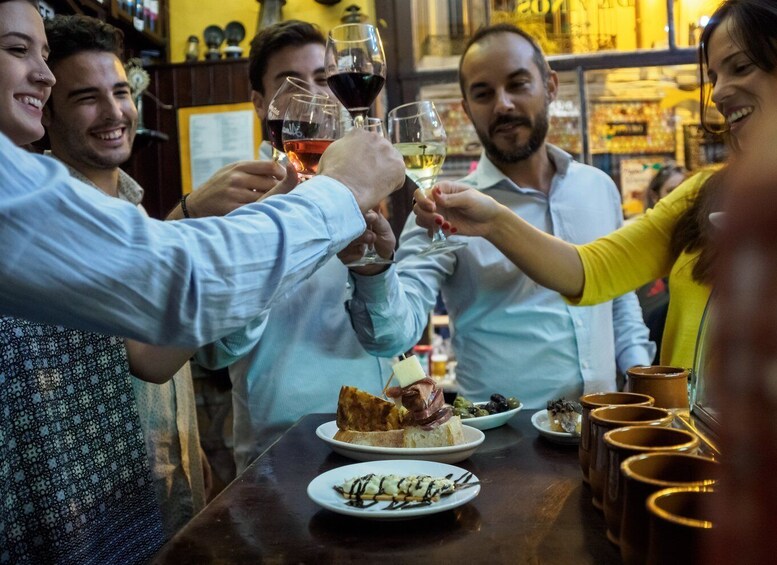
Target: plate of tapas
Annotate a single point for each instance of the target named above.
(471, 439)
(393, 489)
(486, 414)
(541, 421)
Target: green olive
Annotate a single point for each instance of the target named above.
(513, 402)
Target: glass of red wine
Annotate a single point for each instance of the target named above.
(355, 67)
(311, 123)
(277, 109)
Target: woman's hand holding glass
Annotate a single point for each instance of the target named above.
(457, 208)
(417, 132)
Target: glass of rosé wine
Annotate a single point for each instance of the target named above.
(311, 123)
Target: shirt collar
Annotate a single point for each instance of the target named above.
(487, 175)
(128, 188)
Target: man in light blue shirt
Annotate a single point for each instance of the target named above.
(510, 335)
(74, 256)
(295, 362)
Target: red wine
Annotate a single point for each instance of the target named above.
(305, 154)
(357, 91)
(275, 132)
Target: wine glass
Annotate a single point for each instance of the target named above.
(417, 133)
(277, 109)
(371, 257)
(355, 67)
(311, 123)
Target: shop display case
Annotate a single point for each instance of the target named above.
(628, 78)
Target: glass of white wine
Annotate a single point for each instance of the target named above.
(417, 132)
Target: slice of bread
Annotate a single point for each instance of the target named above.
(449, 433)
(359, 411)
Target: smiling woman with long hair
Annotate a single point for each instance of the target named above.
(75, 485)
(739, 58)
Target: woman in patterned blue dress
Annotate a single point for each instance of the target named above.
(75, 485)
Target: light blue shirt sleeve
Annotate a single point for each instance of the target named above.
(390, 311)
(74, 256)
(632, 337)
(227, 350)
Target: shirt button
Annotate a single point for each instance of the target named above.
(578, 323)
(585, 364)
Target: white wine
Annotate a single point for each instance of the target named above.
(423, 161)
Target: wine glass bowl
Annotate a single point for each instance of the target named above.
(416, 131)
(311, 123)
(355, 67)
(276, 109)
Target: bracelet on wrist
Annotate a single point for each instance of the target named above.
(184, 209)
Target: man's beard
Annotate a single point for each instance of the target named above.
(539, 130)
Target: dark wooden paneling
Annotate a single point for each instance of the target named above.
(156, 164)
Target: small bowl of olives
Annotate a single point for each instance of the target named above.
(485, 415)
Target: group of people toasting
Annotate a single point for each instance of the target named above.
(277, 290)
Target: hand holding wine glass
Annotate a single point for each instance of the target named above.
(310, 125)
(417, 132)
(371, 256)
(276, 110)
(355, 67)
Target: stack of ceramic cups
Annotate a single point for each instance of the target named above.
(644, 474)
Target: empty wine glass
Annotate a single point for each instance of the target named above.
(355, 67)
(417, 132)
(371, 257)
(276, 110)
(311, 123)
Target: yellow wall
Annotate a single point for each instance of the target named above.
(191, 17)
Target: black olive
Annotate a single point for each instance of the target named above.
(492, 407)
(501, 402)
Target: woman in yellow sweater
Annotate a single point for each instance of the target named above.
(739, 58)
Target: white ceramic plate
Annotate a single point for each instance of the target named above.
(321, 489)
(492, 421)
(452, 454)
(540, 421)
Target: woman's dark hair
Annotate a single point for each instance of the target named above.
(693, 231)
(754, 30)
(652, 194)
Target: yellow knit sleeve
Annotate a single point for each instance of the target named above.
(637, 253)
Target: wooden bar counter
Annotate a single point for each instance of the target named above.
(532, 508)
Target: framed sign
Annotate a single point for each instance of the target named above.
(211, 137)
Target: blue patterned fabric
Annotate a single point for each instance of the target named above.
(75, 485)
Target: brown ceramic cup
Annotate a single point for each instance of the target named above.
(667, 385)
(645, 474)
(681, 524)
(597, 400)
(622, 443)
(608, 418)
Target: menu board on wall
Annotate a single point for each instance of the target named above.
(214, 136)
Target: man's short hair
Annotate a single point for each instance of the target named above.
(482, 33)
(70, 35)
(270, 40)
